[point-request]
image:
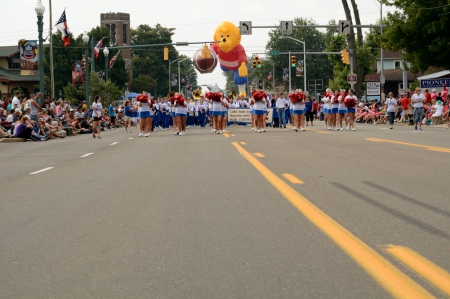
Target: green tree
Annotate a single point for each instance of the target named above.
(150, 61)
(420, 28)
(62, 60)
(144, 83)
(118, 74)
(317, 66)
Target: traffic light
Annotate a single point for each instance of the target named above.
(83, 62)
(345, 56)
(259, 62)
(255, 61)
(293, 61)
(166, 53)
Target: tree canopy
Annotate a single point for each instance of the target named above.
(420, 29)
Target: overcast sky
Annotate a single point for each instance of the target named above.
(195, 20)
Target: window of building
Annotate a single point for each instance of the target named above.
(124, 33)
(13, 65)
(400, 86)
(397, 64)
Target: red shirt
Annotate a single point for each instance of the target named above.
(428, 98)
(405, 103)
(230, 60)
(315, 105)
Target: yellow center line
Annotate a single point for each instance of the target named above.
(385, 273)
(292, 178)
(243, 143)
(259, 155)
(232, 135)
(432, 148)
(318, 131)
(226, 135)
(431, 272)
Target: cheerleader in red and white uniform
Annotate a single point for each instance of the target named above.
(342, 110)
(225, 106)
(350, 102)
(259, 98)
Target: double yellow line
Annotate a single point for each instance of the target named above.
(398, 284)
(431, 148)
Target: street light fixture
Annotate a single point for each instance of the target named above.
(170, 63)
(304, 61)
(106, 53)
(40, 9)
(179, 78)
(85, 39)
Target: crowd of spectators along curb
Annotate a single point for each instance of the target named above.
(435, 107)
(25, 118)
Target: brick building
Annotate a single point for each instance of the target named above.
(118, 24)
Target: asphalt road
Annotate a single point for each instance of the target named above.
(213, 216)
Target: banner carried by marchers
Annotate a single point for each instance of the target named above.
(28, 57)
(242, 115)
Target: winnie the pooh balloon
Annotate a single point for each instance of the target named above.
(231, 53)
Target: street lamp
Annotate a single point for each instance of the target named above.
(170, 63)
(40, 9)
(304, 61)
(179, 78)
(106, 53)
(85, 39)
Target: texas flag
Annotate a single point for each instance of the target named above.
(62, 26)
(98, 47)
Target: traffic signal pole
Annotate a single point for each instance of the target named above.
(290, 67)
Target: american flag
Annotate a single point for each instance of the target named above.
(61, 25)
(98, 47)
(111, 63)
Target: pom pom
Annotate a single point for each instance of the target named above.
(258, 95)
(214, 96)
(349, 102)
(143, 98)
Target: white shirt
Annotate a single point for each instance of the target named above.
(15, 103)
(281, 102)
(10, 118)
(334, 101)
(341, 103)
(390, 105)
(417, 100)
(439, 109)
(97, 109)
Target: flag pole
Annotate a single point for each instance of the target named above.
(52, 75)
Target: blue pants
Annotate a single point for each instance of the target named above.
(238, 80)
(288, 116)
(282, 116)
(201, 119)
(391, 117)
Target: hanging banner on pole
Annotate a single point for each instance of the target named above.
(285, 74)
(28, 57)
(183, 80)
(299, 68)
(77, 73)
(174, 79)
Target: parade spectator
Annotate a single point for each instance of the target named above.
(427, 96)
(391, 108)
(16, 102)
(23, 128)
(34, 108)
(405, 106)
(309, 111)
(112, 114)
(281, 108)
(417, 99)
